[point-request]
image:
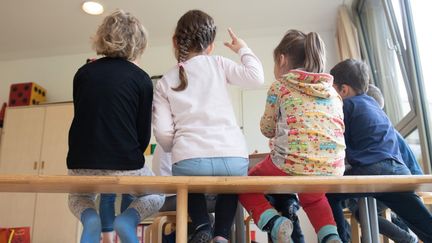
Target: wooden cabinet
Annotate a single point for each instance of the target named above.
(34, 141)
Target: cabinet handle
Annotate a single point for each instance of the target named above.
(35, 165)
(43, 165)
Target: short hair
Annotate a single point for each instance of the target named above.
(120, 35)
(375, 92)
(353, 73)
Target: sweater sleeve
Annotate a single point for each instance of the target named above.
(144, 114)
(271, 112)
(249, 73)
(163, 124)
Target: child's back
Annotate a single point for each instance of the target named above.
(373, 149)
(202, 113)
(303, 118)
(309, 131)
(194, 118)
(370, 136)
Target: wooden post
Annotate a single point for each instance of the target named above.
(182, 214)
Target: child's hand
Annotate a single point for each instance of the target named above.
(236, 43)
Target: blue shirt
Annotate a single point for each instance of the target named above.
(369, 134)
(408, 156)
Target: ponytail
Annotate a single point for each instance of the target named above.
(314, 53)
(302, 51)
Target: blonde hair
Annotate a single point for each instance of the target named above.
(120, 35)
(195, 31)
(302, 51)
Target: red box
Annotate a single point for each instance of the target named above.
(15, 235)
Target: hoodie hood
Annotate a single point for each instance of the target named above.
(313, 84)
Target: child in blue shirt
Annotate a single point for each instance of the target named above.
(372, 149)
(407, 154)
(395, 229)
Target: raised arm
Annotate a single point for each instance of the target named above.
(250, 72)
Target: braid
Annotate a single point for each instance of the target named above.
(183, 52)
(194, 33)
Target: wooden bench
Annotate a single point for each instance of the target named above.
(182, 185)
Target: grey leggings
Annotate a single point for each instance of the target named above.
(146, 205)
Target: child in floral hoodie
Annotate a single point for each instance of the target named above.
(304, 119)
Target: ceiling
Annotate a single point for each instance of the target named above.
(35, 28)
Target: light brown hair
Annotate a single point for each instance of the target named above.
(302, 51)
(195, 31)
(120, 35)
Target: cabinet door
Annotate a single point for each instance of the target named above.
(58, 119)
(21, 140)
(17, 209)
(53, 221)
(20, 151)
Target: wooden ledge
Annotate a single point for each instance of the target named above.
(213, 184)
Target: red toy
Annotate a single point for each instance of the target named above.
(26, 94)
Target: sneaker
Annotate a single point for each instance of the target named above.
(332, 238)
(282, 229)
(220, 241)
(334, 241)
(201, 236)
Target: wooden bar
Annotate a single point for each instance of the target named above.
(213, 184)
(182, 185)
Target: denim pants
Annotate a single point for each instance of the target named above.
(107, 209)
(405, 204)
(226, 204)
(395, 229)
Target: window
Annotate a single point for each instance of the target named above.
(385, 59)
(396, 42)
(413, 141)
(423, 38)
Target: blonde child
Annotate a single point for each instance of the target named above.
(304, 117)
(193, 116)
(111, 126)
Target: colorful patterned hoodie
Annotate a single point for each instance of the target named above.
(304, 117)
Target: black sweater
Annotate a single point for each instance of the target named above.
(112, 121)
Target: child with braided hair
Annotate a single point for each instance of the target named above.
(193, 116)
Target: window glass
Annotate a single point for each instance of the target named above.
(414, 143)
(421, 15)
(384, 59)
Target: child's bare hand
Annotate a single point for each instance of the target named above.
(236, 43)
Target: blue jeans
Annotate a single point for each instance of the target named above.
(226, 204)
(107, 209)
(395, 229)
(405, 204)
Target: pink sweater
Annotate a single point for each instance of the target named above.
(199, 121)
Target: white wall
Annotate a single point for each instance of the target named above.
(56, 73)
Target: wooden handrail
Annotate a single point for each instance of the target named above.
(213, 184)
